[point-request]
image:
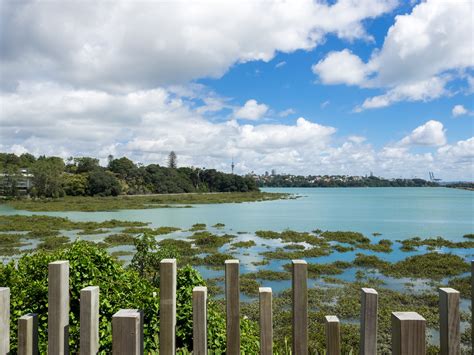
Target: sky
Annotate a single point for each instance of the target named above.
(302, 86)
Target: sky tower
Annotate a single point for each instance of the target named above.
(232, 165)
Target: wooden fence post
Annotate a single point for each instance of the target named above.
(408, 333)
(266, 321)
(28, 334)
(472, 303)
(4, 320)
(200, 320)
(89, 321)
(168, 307)
(300, 307)
(333, 335)
(449, 321)
(232, 296)
(58, 307)
(127, 332)
(368, 321)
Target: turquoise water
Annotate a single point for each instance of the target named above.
(397, 213)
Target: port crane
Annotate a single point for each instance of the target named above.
(432, 177)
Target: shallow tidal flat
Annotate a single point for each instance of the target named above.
(318, 227)
(129, 202)
(406, 272)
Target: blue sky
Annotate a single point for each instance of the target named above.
(304, 87)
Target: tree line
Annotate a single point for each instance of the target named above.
(338, 181)
(84, 176)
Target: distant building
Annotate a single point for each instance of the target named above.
(21, 182)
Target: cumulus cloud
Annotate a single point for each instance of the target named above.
(460, 151)
(252, 110)
(425, 90)
(122, 44)
(459, 110)
(422, 52)
(146, 124)
(432, 133)
(341, 68)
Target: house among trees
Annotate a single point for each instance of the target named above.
(16, 183)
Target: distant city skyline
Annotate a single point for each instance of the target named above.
(303, 87)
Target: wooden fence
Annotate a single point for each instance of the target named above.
(408, 328)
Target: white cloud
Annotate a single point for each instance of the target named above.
(125, 45)
(432, 133)
(287, 112)
(280, 64)
(461, 151)
(341, 68)
(426, 90)
(459, 110)
(422, 52)
(252, 110)
(325, 104)
(145, 125)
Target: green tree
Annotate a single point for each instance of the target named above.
(103, 183)
(89, 266)
(123, 167)
(75, 184)
(86, 164)
(47, 180)
(172, 160)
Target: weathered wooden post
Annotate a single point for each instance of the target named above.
(127, 332)
(168, 307)
(28, 334)
(472, 303)
(266, 321)
(333, 335)
(449, 321)
(200, 320)
(89, 321)
(58, 307)
(4, 320)
(408, 334)
(232, 296)
(300, 307)
(368, 321)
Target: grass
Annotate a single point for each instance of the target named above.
(244, 244)
(198, 227)
(433, 243)
(208, 241)
(268, 275)
(53, 243)
(48, 225)
(92, 204)
(120, 239)
(165, 230)
(345, 237)
(433, 266)
(297, 254)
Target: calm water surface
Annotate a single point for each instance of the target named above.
(397, 213)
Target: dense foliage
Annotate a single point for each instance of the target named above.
(119, 288)
(84, 176)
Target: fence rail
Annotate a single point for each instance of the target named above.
(408, 328)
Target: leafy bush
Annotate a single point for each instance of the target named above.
(119, 288)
